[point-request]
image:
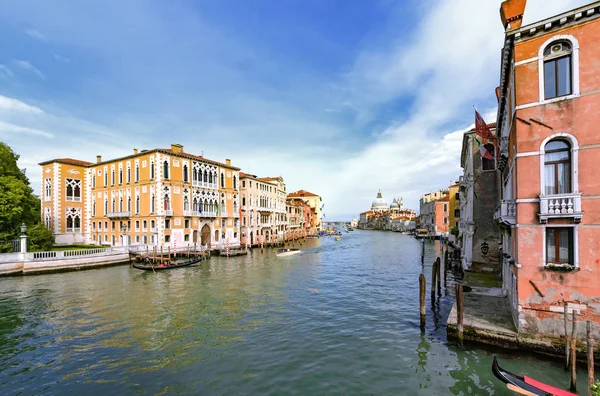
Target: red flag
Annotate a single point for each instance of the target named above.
(481, 127)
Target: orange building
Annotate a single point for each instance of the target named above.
(548, 116)
(434, 213)
(164, 197)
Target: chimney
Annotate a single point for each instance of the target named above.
(135, 151)
(498, 93)
(98, 159)
(228, 162)
(511, 13)
(176, 148)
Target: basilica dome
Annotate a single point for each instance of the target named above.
(379, 203)
(395, 204)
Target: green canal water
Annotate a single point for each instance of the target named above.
(340, 319)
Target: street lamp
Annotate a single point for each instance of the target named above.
(23, 229)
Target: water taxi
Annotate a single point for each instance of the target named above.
(287, 252)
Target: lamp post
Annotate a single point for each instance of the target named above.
(23, 241)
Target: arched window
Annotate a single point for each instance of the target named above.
(222, 180)
(94, 208)
(210, 177)
(488, 159)
(205, 177)
(166, 169)
(186, 203)
(234, 183)
(114, 205)
(185, 173)
(558, 76)
(129, 204)
(151, 169)
(152, 203)
(137, 204)
(557, 167)
(167, 203)
(121, 204)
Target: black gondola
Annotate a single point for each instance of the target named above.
(164, 266)
(525, 385)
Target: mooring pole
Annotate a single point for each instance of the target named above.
(422, 250)
(590, 356)
(567, 346)
(459, 312)
(438, 267)
(433, 282)
(574, 354)
(446, 270)
(422, 286)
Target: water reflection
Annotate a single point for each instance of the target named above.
(342, 318)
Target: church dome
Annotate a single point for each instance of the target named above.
(379, 203)
(395, 204)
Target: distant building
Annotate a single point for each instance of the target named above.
(314, 201)
(454, 209)
(387, 218)
(479, 192)
(434, 213)
(165, 197)
(354, 222)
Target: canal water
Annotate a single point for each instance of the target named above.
(340, 319)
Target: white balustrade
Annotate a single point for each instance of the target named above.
(506, 212)
(561, 205)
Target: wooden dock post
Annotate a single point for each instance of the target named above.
(422, 250)
(567, 346)
(459, 312)
(433, 282)
(590, 356)
(438, 267)
(422, 287)
(574, 354)
(446, 269)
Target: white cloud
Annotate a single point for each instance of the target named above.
(35, 34)
(11, 104)
(6, 128)
(62, 58)
(27, 66)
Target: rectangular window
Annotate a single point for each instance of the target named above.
(456, 212)
(557, 77)
(445, 207)
(457, 196)
(243, 201)
(187, 223)
(186, 238)
(48, 189)
(167, 238)
(559, 245)
(167, 224)
(223, 223)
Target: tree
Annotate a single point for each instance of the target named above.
(18, 204)
(40, 238)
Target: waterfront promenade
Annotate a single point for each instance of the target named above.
(341, 318)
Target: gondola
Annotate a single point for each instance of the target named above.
(525, 385)
(165, 266)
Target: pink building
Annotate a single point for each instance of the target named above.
(548, 127)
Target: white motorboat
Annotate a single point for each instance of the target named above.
(287, 252)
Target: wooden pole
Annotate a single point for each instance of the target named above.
(590, 356)
(422, 250)
(567, 346)
(169, 252)
(574, 354)
(446, 269)
(433, 282)
(422, 287)
(438, 267)
(459, 312)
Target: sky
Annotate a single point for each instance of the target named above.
(341, 98)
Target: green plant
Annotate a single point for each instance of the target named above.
(595, 388)
(454, 230)
(40, 238)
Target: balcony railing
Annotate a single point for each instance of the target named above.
(265, 224)
(191, 213)
(560, 206)
(224, 213)
(208, 214)
(117, 215)
(73, 199)
(168, 212)
(264, 209)
(506, 212)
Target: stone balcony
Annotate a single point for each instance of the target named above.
(118, 215)
(560, 206)
(506, 212)
(168, 212)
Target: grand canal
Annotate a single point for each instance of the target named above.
(340, 319)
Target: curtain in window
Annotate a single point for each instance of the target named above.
(564, 245)
(549, 179)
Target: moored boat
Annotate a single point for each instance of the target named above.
(287, 252)
(525, 385)
(148, 266)
(234, 252)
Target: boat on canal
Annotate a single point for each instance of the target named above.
(287, 252)
(234, 252)
(148, 266)
(524, 385)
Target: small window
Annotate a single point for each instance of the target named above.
(167, 238)
(559, 245)
(167, 224)
(187, 223)
(488, 161)
(186, 238)
(457, 196)
(557, 70)
(456, 212)
(166, 169)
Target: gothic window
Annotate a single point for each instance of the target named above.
(557, 167)
(222, 180)
(73, 217)
(152, 203)
(105, 206)
(210, 177)
(206, 177)
(137, 204)
(94, 180)
(113, 177)
(234, 182)
(186, 203)
(167, 202)
(557, 70)
(105, 177)
(129, 204)
(120, 175)
(48, 218)
(151, 169)
(94, 208)
(121, 204)
(185, 173)
(73, 190)
(114, 205)
(128, 173)
(137, 172)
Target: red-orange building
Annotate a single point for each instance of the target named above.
(548, 117)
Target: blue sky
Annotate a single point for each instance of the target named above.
(341, 98)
